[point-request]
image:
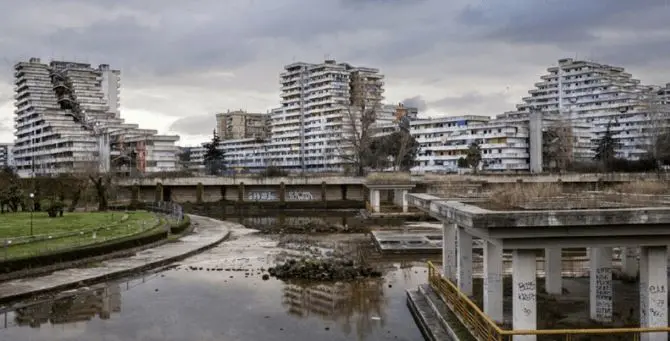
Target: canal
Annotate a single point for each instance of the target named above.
(221, 295)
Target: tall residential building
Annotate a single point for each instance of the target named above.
(6, 155)
(67, 119)
(600, 95)
(242, 125)
(313, 128)
(664, 94)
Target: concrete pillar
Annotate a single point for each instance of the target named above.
(629, 264)
(493, 285)
(654, 291)
(524, 293)
(535, 141)
(374, 200)
(282, 192)
(449, 266)
(403, 200)
(464, 262)
(600, 279)
(553, 271)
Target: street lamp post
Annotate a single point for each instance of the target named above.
(32, 208)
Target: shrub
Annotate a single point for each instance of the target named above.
(518, 195)
(273, 171)
(384, 178)
(644, 187)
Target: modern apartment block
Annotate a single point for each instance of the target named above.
(6, 155)
(599, 95)
(313, 127)
(240, 124)
(664, 94)
(67, 119)
(445, 140)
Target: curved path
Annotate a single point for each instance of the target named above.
(207, 233)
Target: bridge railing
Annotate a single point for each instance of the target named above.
(483, 328)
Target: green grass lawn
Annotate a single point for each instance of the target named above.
(113, 225)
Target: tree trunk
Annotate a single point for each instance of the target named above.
(75, 200)
(101, 193)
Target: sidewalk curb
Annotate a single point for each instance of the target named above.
(119, 273)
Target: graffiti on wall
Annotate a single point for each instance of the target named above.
(262, 196)
(299, 196)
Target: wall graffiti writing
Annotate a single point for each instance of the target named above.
(526, 291)
(603, 294)
(657, 289)
(262, 196)
(299, 196)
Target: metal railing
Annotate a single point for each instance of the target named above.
(173, 212)
(482, 328)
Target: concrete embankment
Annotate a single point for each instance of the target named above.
(207, 233)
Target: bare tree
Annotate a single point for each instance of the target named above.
(359, 116)
(88, 172)
(658, 114)
(558, 145)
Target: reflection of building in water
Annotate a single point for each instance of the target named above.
(81, 306)
(339, 302)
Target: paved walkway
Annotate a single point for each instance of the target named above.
(207, 232)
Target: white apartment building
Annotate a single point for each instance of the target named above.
(598, 95)
(664, 94)
(311, 129)
(241, 155)
(6, 155)
(444, 140)
(67, 117)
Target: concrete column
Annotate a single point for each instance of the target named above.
(654, 291)
(493, 285)
(403, 200)
(553, 271)
(449, 232)
(600, 279)
(374, 200)
(629, 265)
(464, 262)
(524, 293)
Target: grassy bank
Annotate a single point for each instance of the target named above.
(77, 229)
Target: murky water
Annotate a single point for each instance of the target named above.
(191, 303)
(264, 219)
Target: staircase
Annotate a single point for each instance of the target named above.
(433, 317)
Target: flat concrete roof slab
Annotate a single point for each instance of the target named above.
(545, 228)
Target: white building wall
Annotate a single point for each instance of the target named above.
(597, 95)
(51, 139)
(309, 130)
(444, 140)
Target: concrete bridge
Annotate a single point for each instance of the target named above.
(344, 191)
(644, 232)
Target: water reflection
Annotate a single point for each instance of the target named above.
(356, 305)
(77, 307)
(267, 218)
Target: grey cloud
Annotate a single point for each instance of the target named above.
(176, 50)
(474, 103)
(194, 125)
(528, 21)
(415, 102)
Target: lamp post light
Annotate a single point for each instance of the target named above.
(32, 208)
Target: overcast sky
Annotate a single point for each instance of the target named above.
(182, 61)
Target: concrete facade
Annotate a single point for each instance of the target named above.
(528, 233)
